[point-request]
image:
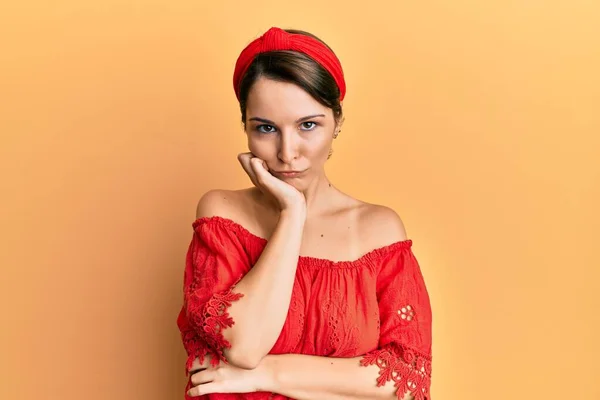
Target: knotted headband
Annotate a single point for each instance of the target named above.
(276, 39)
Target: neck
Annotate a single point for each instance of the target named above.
(319, 195)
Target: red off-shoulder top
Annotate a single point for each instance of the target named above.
(376, 307)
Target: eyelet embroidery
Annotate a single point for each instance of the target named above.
(407, 313)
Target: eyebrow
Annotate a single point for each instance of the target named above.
(266, 121)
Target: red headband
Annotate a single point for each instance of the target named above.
(276, 39)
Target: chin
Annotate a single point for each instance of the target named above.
(299, 184)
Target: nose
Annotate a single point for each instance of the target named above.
(288, 147)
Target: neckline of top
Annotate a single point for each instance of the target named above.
(366, 258)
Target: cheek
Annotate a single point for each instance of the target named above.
(319, 148)
(263, 149)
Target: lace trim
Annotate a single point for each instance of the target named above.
(212, 320)
(192, 346)
(410, 371)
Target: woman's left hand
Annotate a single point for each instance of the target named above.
(224, 378)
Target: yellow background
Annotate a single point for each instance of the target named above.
(478, 121)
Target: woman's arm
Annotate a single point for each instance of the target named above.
(260, 313)
(306, 377)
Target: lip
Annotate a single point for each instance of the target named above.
(288, 174)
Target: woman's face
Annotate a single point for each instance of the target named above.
(289, 130)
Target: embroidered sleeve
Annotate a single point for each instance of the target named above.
(404, 352)
(214, 265)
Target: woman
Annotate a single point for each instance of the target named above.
(331, 306)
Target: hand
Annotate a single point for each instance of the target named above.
(224, 378)
(287, 196)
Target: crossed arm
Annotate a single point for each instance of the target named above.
(316, 378)
(298, 376)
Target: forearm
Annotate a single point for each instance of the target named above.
(267, 288)
(306, 377)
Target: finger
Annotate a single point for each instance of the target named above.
(202, 377)
(207, 388)
(259, 164)
(197, 365)
(260, 169)
(244, 160)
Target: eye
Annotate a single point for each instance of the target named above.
(265, 128)
(308, 125)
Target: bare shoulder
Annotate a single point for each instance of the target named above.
(219, 202)
(381, 225)
(242, 206)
